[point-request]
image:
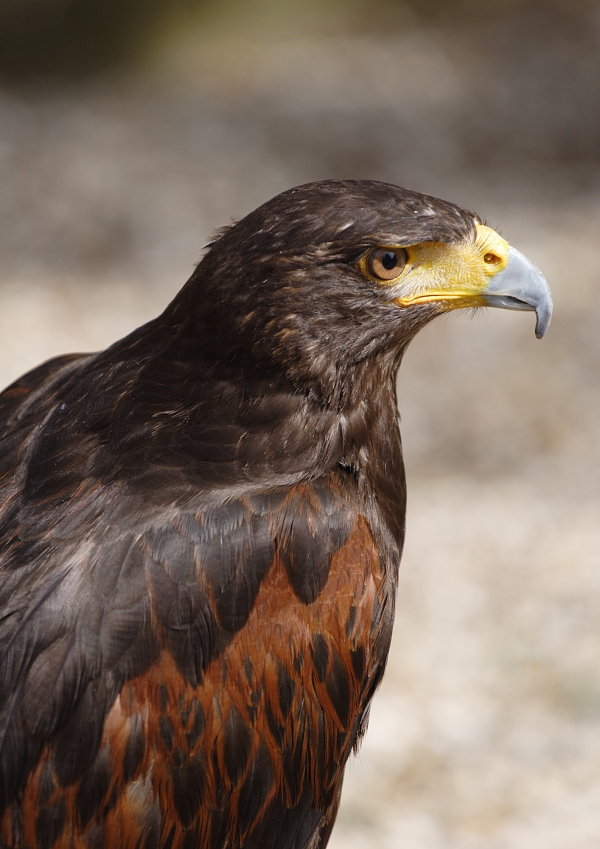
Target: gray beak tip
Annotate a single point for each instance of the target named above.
(522, 286)
(542, 323)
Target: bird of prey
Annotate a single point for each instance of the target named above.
(201, 528)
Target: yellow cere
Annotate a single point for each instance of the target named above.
(451, 272)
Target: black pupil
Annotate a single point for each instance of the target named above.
(389, 260)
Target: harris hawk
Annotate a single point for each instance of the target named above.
(201, 528)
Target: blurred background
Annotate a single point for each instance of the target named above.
(130, 129)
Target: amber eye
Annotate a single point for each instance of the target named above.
(387, 263)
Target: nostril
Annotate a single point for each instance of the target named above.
(492, 259)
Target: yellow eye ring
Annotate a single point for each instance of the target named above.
(386, 263)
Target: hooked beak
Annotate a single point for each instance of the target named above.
(521, 286)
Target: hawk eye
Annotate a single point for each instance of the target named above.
(386, 263)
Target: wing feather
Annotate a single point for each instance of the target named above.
(178, 666)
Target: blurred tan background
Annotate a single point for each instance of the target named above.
(129, 130)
